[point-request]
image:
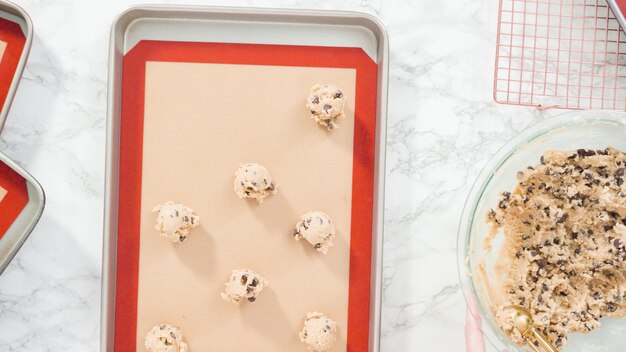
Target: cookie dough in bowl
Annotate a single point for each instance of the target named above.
(165, 338)
(569, 291)
(564, 241)
(254, 181)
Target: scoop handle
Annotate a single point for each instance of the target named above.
(542, 340)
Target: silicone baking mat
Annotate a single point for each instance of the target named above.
(13, 197)
(560, 53)
(191, 113)
(3, 46)
(12, 41)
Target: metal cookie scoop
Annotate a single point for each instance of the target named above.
(524, 323)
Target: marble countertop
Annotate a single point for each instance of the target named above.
(443, 127)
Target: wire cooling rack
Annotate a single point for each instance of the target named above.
(560, 54)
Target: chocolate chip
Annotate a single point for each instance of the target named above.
(556, 240)
(542, 160)
(338, 95)
(254, 283)
(244, 279)
(590, 153)
(611, 307)
(620, 171)
(581, 152)
(251, 299)
(574, 235)
(541, 263)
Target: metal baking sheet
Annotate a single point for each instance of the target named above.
(247, 26)
(21, 204)
(21, 197)
(16, 36)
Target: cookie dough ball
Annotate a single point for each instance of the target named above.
(326, 103)
(254, 181)
(175, 221)
(319, 332)
(244, 284)
(165, 338)
(317, 228)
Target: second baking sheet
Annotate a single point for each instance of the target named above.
(200, 121)
(12, 41)
(13, 197)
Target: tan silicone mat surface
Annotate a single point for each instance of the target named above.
(201, 122)
(3, 46)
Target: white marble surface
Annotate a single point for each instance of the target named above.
(443, 126)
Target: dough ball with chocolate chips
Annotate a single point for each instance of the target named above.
(243, 284)
(175, 221)
(165, 338)
(317, 228)
(326, 103)
(319, 332)
(254, 181)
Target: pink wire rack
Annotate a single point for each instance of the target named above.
(560, 54)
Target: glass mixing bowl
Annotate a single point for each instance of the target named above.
(571, 131)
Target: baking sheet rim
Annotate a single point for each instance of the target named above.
(118, 30)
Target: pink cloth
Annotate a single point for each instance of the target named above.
(474, 340)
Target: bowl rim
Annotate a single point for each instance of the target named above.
(531, 133)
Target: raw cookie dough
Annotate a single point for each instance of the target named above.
(175, 221)
(319, 332)
(165, 338)
(564, 254)
(317, 228)
(326, 103)
(243, 284)
(254, 181)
